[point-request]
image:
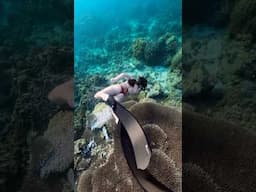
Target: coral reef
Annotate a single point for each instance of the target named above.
(175, 61)
(138, 44)
(138, 48)
(63, 94)
(99, 116)
(242, 18)
(165, 141)
(224, 150)
(36, 55)
(197, 83)
(227, 76)
(58, 142)
(219, 150)
(196, 179)
(153, 53)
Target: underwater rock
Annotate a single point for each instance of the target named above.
(129, 103)
(224, 150)
(85, 182)
(160, 138)
(242, 18)
(138, 48)
(156, 92)
(100, 115)
(153, 53)
(248, 89)
(169, 42)
(168, 168)
(78, 144)
(81, 163)
(63, 94)
(70, 178)
(58, 143)
(218, 90)
(175, 61)
(168, 119)
(197, 82)
(196, 179)
(115, 173)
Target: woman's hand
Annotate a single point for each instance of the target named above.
(101, 95)
(105, 97)
(112, 80)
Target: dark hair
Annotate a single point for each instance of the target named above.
(142, 83)
(132, 82)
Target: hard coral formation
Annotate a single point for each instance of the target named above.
(243, 18)
(197, 82)
(28, 107)
(167, 173)
(153, 53)
(99, 116)
(138, 48)
(63, 94)
(165, 140)
(175, 61)
(159, 139)
(58, 144)
(169, 42)
(196, 179)
(34, 58)
(222, 149)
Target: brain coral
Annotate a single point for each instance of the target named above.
(223, 150)
(163, 126)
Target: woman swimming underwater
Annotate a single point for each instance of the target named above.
(120, 91)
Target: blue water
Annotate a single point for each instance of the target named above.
(105, 31)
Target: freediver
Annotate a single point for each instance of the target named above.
(120, 91)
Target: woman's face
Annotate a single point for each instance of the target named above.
(134, 90)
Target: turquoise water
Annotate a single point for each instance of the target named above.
(106, 33)
(138, 37)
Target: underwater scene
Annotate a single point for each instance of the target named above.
(130, 50)
(219, 100)
(36, 55)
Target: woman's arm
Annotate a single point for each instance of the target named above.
(121, 76)
(101, 95)
(110, 90)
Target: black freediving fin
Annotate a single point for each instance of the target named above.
(136, 148)
(144, 178)
(140, 145)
